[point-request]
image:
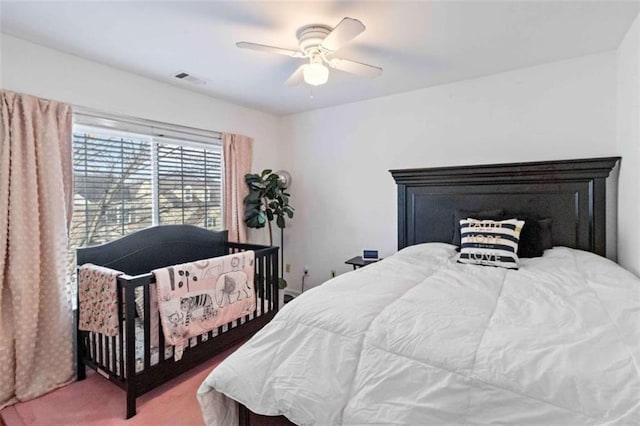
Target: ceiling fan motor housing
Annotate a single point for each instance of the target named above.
(310, 37)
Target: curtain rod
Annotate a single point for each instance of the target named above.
(157, 127)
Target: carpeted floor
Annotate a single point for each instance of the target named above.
(96, 401)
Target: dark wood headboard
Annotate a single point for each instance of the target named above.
(570, 192)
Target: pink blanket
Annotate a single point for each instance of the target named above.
(98, 299)
(197, 297)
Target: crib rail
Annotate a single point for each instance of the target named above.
(115, 357)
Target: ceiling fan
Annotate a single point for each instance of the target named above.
(318, 44)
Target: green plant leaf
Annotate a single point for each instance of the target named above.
(280, 221)
(266, 172)
(254, 196)
(253, 222)
(262, 218)
(282, 283)
(250, 178)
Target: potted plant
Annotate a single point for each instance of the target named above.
(268, 200)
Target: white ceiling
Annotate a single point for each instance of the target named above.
(419, 44)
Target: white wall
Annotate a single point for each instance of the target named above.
(628, 139)
(344, 196)
(40, 71)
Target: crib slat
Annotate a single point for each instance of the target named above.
(85, 345)
(256, 285)
(276, 284)
(106, 353)
(130, 324)
(88, 354)
(113, 355)
(268, 284)
(93, 346)
(261, 283)
(100, 350)
(121, 334)
(160, 341)
(147, 326)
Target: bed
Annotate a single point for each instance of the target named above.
(419, 338)
(134, 359)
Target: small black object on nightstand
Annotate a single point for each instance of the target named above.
(359, 262)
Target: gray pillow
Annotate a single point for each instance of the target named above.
(536, 236)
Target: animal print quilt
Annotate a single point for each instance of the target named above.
(196, 297)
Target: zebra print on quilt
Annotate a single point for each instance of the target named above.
(490, 242)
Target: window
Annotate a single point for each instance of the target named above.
(112, 174)
(210, 222)
(185, 175)
(188, 194)
(126, 180)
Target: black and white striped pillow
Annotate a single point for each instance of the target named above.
(490, 242)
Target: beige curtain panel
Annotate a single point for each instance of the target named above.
(36, 196)
(237, 155)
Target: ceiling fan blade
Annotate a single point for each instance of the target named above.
(270, 49)
(297, 76)
(356, 68)
(345, 31)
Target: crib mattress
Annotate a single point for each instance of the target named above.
(168, 350)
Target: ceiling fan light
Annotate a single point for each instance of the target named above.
(315, 74)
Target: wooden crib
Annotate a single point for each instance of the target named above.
(129, 360)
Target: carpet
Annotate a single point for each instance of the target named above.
(96, 401)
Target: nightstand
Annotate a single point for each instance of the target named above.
(359, 262)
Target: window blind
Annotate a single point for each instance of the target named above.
(189, 185)
(112, 190)
(126, 181)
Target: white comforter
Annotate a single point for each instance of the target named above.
(419, 339)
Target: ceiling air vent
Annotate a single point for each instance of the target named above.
(186, 77)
